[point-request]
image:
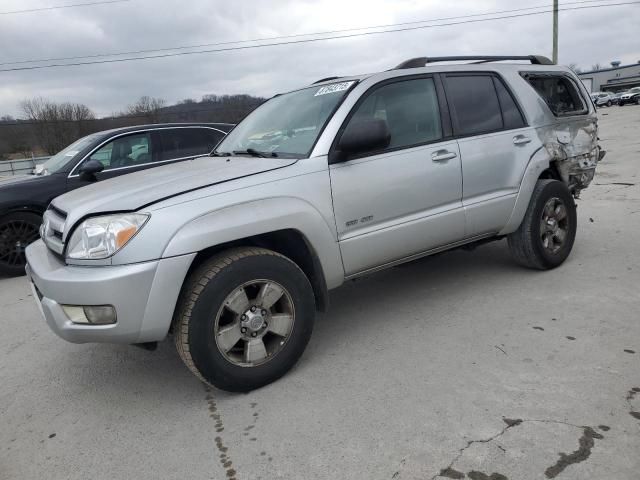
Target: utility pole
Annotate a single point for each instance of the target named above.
(555, 31)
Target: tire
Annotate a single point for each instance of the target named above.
(536, 244)
(17, 231)
(609, 103)
(637, 100)
(205, 304)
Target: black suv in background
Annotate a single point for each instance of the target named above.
(96, 157)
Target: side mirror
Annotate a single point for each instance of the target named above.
(89, 169)
(365, 136)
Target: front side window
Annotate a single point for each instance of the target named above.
(126, 151)
(474, 104)
(409, 107)
(559, 93)
(287, 125)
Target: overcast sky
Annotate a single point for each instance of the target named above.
(586, 37)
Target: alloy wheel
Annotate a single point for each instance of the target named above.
(554, 225)
(254, 323)
(15, 236)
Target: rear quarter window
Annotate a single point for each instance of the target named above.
(559, 93)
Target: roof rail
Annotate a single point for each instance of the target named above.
(423, 61)
(325, 80)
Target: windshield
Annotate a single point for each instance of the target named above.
(60, 159)
(287, 125)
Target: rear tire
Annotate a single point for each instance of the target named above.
(244, 318)
(546, 235)
(17, 231)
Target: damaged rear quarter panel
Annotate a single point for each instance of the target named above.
(572, 146)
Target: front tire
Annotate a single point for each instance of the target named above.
(546, 235)
(17, 231)
(244, 318)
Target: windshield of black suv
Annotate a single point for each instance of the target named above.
(60, 159)
(287, 125)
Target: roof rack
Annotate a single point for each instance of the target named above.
(325, 80)
(423, 61)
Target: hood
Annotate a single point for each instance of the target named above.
(18, 179)
(136, 190)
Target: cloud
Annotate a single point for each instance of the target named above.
(586, 37)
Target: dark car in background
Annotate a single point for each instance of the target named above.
(102, 155)
(630, 96)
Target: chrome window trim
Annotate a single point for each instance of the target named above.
(134, 132)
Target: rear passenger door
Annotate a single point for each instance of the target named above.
(405, 199)
(495, 147)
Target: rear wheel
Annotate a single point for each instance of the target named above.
(244, 318)
(609, 103)
(545, 237)
(17, 231)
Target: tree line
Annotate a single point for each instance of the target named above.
(46, 127)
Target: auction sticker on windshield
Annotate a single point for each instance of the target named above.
(333, 88)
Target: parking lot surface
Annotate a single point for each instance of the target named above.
(462, 365)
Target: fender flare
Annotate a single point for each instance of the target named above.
(258, 217)
(538, 163)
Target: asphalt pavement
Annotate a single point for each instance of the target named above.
(462, 365)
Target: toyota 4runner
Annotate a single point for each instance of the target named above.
(234, 255)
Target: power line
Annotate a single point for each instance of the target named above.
(282, 37)
(56, 7)
(310, 40)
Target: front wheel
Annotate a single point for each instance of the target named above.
(609, 103)
(244, 318)
(547, 232)
(17, 231)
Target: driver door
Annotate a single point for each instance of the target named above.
(406, 199)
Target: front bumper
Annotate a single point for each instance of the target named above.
(143, 294)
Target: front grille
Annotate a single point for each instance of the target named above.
(53, 229)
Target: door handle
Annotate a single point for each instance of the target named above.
(443, 155)
(521, 140)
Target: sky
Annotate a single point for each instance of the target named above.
(587, 37)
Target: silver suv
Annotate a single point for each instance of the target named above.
(317, 186)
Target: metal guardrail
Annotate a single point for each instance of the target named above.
(20, 167)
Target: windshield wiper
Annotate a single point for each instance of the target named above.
(219, 154)
(255, 153)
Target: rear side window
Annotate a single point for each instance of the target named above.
(185, 142)
(559, 93)
(511, 115)
(474, 104)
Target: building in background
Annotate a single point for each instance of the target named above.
(618, 78)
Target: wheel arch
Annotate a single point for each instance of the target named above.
(288, 242)
(540, 166)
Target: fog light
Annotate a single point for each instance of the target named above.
(101, 315)
(92, 315)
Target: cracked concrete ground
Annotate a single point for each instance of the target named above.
(423, 368)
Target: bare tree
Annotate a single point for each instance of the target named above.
(595, 67)
(56, 125)
(147, 107)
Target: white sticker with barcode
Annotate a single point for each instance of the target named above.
(333, 88)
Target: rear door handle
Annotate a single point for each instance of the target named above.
(443, 155)
(521, 140)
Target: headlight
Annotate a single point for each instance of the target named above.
(101, 237)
